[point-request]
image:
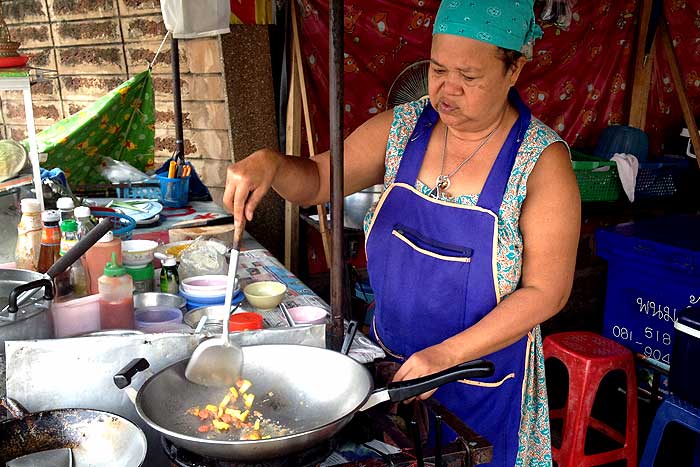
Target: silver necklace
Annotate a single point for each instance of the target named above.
(442, 182)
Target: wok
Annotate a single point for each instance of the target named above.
(313, 391)
(96, 438)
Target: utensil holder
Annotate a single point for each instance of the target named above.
(174, 192)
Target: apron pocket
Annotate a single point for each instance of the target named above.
(424, 290)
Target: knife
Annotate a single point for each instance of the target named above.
(203, 222)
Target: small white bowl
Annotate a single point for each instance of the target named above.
(308, 314)
(138, 252)
(265, 294)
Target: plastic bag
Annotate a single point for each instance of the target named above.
(187, 19)
(203, 257)
(558, 12)
(120, 171)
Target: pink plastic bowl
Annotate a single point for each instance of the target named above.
(308, 315)
(205, 285)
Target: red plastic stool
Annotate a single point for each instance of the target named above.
(588, 358)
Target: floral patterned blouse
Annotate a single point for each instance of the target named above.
(534, 448)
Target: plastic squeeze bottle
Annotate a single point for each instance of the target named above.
(29, 235)
(99, 255)
(116, 290)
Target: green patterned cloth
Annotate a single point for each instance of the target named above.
(120, 125)
(504, 23)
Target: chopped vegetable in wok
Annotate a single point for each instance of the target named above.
(234, 412)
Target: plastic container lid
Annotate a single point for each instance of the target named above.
(30, 205)
(69, 225)
(141, 274)
(157, 318)
(50, 216)
(82, 211)
(65, 203)
(106, 238)
(245, 321)
(114, 269)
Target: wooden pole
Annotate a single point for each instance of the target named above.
(320, 208)
(292, 147)
(643, 65)
(680, 87)
(336, 112)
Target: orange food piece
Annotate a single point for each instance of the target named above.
(226, 418)
(203, 414)
(204, 428)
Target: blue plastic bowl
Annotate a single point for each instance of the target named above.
(192, 304)
(622, 139)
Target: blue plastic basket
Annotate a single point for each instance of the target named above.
(122, 225)
(141, 191)
(660, 179)
(174, 192)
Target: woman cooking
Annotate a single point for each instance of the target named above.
(473, 242)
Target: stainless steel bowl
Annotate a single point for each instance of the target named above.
(215, 316)
(357, 204)
(149, 299)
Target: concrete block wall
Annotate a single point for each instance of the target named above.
(97, 44)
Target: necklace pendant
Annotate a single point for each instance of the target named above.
(442, 183)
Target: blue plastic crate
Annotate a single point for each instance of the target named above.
(660, 179)
(653, 273)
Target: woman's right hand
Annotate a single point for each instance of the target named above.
(247, 182)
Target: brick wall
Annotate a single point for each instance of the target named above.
(97, 44)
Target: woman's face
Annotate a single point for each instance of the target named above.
(467, 83)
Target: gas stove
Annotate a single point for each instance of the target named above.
(351, 443)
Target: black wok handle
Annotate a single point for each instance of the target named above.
(349, 337)
(14, 408)
(123, 378)
(402, 390)
(79, 249)
(45, 283)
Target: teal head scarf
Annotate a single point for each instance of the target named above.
(504, 23)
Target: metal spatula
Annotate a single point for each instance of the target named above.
(62, 457)
(217, 362)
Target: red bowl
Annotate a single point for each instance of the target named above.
(245, 321)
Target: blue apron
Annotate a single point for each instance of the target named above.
(432, 266)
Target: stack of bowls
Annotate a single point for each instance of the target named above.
(207, 290)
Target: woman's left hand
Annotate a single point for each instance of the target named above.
(426, 362)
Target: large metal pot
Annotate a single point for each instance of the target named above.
(25, 316)
(32, 320)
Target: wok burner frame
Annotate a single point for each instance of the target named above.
(181, 457)
(469, 449)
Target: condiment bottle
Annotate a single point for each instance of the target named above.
(169, 278)
(29, 235)
(69, 237)
(79, 280)
(85, 224)
(142, 277)
(116, 297)
(50, 241)
(99, 255)
(65, 208)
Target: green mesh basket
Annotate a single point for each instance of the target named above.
(597, 178)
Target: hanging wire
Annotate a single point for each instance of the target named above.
(160, 47)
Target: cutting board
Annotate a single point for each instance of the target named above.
(224, 233)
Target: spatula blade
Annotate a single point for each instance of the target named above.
(62, 457)
(215, 364)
